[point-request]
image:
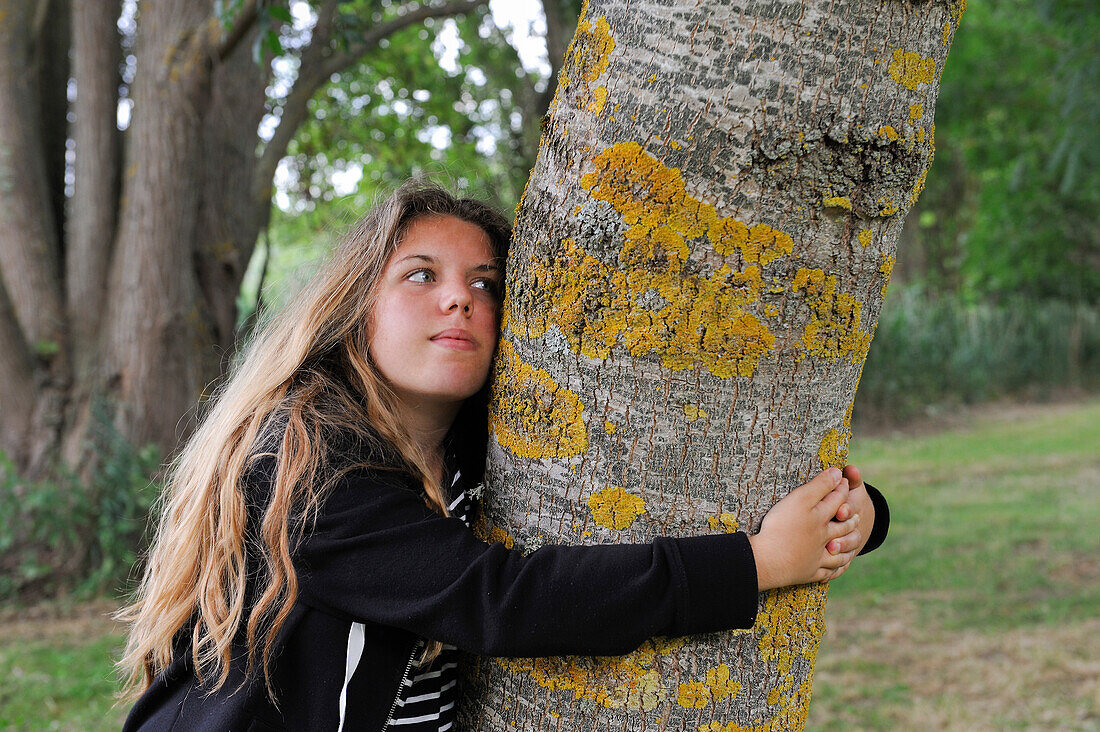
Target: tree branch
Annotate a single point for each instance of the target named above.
(316, 69)
(558, 32)
(29, 265)
(340, 61)
(296, 106)
(51, 60)
(94, 206)
(244, 21)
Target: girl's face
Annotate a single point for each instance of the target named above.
(437, 313)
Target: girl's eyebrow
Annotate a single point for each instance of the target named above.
(425, 257)
(487, 267)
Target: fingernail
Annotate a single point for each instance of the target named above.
(835, 474)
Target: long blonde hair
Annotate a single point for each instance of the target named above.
(306, 376)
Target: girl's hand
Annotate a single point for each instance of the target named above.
(858, 504)
(791, 546)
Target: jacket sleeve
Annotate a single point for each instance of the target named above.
(377, 553)
(882, 520)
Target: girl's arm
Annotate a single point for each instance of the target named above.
(378, 554)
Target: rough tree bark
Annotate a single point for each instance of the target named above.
(126, 297)
(698, 266)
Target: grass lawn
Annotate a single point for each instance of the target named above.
(980, 612)
(56, 672)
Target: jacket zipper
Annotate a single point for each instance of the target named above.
(401, 684)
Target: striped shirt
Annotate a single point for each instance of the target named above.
(428, 694)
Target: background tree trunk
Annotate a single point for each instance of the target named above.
(697, 270)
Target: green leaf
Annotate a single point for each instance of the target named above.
(279, 12)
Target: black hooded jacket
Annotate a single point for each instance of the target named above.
(379, 556)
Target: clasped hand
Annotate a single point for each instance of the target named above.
(815, 531)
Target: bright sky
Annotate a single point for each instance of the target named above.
(528, 28)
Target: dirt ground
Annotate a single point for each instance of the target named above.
(961, 416)
(52, 621)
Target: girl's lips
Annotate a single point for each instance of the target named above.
(455, 339)
(458, 344)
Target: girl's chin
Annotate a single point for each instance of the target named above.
(454, 393)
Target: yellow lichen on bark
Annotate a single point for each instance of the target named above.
(591, 47)
(834, 330)
(585, 60)
(766, 244)
(864, 237)
(958, 10)
(725, 521)
(614, 508)
(497, 534)
(651, 198)
(833, 451)
(829, 451)
(911, 69)
(532, 415)
(648, 304)
(615, 682)
(916, 111)
(684, 319)
(490, 534)
(886, 269)
(717, 687)
(793, 621)
(694, 412)
(837, 202)
(693, 695)
(599, 98)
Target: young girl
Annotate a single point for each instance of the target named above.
(314, 568)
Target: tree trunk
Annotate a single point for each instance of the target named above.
(697, 269)
(34, 371)
(155, 329)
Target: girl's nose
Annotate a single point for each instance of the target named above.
(457, 298)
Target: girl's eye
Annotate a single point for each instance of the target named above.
(421, 275)
(489, 286)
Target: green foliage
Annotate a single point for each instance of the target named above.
(402, 111)
(63, 534)
(930, 350)
(1011, 204)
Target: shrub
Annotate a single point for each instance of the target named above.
(60, 534)
(934, 351)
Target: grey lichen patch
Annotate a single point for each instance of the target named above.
(532, 544)
(874, 179)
